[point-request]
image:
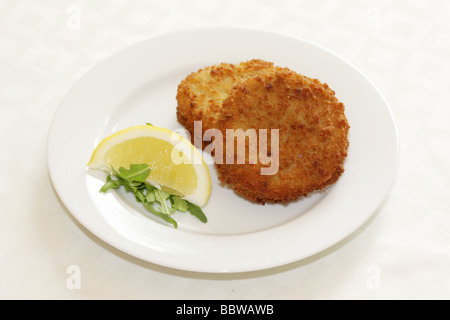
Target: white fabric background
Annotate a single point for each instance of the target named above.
(402, 252)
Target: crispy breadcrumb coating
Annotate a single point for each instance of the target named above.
(200, 94)
(312, 127)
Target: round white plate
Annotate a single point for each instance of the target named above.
(139, 85)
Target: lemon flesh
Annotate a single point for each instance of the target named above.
(176, 165)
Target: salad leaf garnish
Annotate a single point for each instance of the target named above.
(134, 181)
(196, 211)
(136, 173)
(178, 203)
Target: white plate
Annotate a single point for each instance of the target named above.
(139, 85)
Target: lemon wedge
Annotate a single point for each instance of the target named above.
(176, 165)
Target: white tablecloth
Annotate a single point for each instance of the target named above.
(402, 252)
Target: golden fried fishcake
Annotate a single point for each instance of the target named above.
(200, 94)
(312, 135)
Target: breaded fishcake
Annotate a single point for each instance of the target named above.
(312, 135)
(200, 94)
